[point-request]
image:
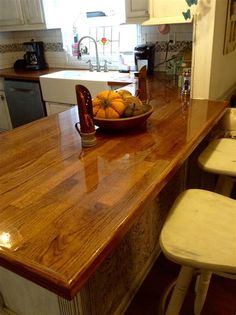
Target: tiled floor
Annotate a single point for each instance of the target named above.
(221, 298)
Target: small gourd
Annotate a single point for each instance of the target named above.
(124, 93)
(133, 107)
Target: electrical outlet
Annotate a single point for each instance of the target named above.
(171, 37)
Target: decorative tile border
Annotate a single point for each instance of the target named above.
(7, 48)
(161, 46)
(58, 47)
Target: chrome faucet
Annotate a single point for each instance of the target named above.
(98, 67)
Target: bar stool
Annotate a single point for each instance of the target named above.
(199, 234)
(219, 158)
(220, 155)
(228, 123)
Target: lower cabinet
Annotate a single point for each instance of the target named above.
(5, 121)
(53, 108)
(24, 101)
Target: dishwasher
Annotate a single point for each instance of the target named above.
(24, 101)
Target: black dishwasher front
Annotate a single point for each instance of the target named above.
(24, 101)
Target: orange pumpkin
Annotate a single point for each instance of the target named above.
(108, 104)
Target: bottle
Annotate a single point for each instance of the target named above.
(186, 82)
(75, 46)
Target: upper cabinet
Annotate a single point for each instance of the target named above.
(11, 13)
(169, 12)
(137, 11)
(21, 14)
(26, 14)
(33, 10)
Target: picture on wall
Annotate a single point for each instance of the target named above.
(230, 30)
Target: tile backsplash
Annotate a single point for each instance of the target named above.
(11, 47)
(179, 34)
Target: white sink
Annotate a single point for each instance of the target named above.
(60, 86)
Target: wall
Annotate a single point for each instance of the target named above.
(11, 47)
(180, 34)
(223, 67)
(213, 73)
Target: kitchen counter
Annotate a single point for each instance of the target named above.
(10, 73)
(64, 208)
(119, 79)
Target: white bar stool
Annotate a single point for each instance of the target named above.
(220, 158)
(199, 233)
(228, 123)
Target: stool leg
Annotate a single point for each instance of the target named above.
(180, 290)
(202, 288)
(224, 185)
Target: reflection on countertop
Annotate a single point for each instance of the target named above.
(71, 205)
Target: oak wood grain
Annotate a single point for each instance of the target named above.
(29, 75)
(65, 208)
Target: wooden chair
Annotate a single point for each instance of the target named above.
(199, 234)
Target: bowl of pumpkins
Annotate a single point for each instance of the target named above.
(114, 110)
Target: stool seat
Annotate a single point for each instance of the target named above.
(199, 234)
(200, 231)
(219, 157)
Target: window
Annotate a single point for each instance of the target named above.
(102, 21)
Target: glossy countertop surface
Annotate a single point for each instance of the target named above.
(112, 77)
(10, 73)
(65, 208)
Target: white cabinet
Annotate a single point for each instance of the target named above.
(5, 122)
(11, 13)
(168, 12)
(136, 10)
(53, 108)
(21, 14)
(18, 15)
(33, 11)
(21, 296)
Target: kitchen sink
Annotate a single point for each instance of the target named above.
(60, 86)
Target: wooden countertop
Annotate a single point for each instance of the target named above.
(27, 75)
(10, 73)
(64, 208)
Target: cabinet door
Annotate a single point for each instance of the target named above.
(11, 13)
(5, 122)
(167, 12)
(54, 108)
(136, 8)
(33, 11)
